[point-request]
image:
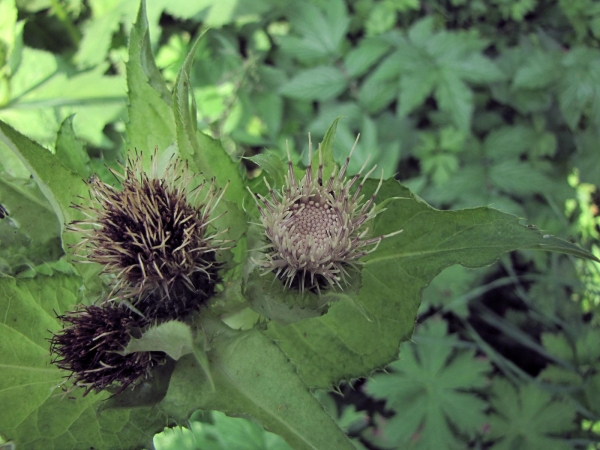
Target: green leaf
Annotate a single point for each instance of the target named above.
(375, 95)
(525, 417)
(456, 99)
(539, 71)
(322, 30)
(345, 343)
(318, 83)
(451, 289)
(587, 159)
(35, 413)
(173, 337)
(10, 33)
(151, 123)
(272, 164)
(414, 90)
(428, 391)
(58, 184)
(70, 151)
(509, 142)
(327, 150)
(98, 32)
(579, 87)
(252, 377)
(206, 153)
(441, 62)
(360, 59)
(520, 178)
(43, 94)
(382, 18)
(29, 209)
(221, 433)
(272, 300)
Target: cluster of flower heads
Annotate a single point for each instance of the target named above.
(316, 228)
(152, 239)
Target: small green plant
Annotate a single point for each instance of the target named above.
(162, 321)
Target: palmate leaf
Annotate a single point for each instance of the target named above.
(35, 414)
(525, 417)
(428, 391)
(440, 63)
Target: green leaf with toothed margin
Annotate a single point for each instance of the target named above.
(252, 377)
(151, 123)
(206, 154)
(58, 184)
(357, 336)
(35, 414)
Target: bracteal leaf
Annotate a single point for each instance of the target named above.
(358, 336)
(252, 377)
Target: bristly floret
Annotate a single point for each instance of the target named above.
(152, 236)
(316, 229)
(89, 344)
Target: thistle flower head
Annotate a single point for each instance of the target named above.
(89, 343)
(317, 228)
(152, 236)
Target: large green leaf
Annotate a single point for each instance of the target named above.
(151, 123)
(35, 414)
(357, 336)
(252, 377)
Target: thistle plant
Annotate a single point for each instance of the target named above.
(155, 237)
(318, 230)
(89, 344)
(152, 237)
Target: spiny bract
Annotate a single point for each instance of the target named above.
(152, 237)
(89, 344)
(316, 230)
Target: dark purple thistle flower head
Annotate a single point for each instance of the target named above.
(152, 236)
(88, 346)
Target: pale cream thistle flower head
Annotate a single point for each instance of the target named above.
(317, 230)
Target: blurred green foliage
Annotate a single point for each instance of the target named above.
(469, 102)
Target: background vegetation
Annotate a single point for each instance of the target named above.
(467, 102)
